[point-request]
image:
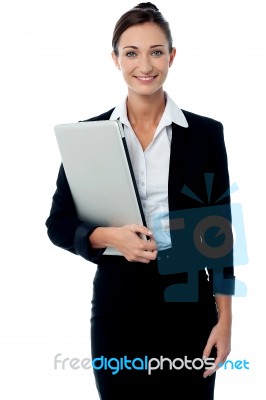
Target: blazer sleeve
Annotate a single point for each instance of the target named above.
(223, 278)
(64, 228)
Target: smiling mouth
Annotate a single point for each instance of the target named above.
(146, 78)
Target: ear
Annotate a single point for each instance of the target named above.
(115, 59)
(172, 56)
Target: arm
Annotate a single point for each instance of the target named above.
(220, 336)
(64, 228)
(222, 278)
(88, 240)
(127, 240)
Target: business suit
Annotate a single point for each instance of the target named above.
(128, 298)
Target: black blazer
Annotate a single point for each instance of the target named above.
(195, 151)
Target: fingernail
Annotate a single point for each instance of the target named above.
(149, 232)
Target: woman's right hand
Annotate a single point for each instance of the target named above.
(127, 240)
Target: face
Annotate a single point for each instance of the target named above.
(144, 58)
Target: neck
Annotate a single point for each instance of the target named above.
(145, 110)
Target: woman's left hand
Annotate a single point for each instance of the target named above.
(220, 337)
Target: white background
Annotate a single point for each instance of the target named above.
(56, 68)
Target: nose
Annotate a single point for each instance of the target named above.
(145, 65)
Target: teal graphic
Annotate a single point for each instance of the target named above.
(212, 237)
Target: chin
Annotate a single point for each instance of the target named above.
(146, 91)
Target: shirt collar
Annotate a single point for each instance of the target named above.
(172, 113)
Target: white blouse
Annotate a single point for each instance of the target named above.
(151, 168)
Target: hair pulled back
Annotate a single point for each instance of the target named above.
(143, 12)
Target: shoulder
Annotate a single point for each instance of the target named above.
(205, 132)
(201, 122)
(104, 116)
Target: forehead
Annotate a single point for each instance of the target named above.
(143, 35)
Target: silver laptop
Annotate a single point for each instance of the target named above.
(99, 172)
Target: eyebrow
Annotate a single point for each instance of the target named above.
(151, 47)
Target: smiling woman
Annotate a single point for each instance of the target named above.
(144, 63)
(142, 53)
(131, 314)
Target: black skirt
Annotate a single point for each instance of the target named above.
(143, 346)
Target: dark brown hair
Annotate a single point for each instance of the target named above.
(143, 12)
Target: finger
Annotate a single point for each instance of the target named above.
(218, 363)
(152, 255)
(141, 229)
(207, 350)
(220, 360)
(147, 256)
(150, 246)
(206, 353)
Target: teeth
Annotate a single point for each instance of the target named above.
(143, 78)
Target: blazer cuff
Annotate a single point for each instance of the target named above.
(223, 284)
(82, 244)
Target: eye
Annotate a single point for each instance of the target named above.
(157, 53)
(131, 54)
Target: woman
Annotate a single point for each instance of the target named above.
(132, 316)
